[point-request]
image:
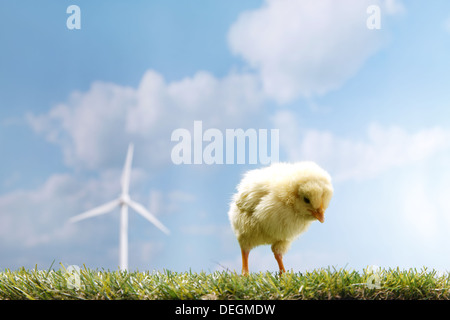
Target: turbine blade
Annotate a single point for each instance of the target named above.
(125, 181)
(107, 207)
(147, 215)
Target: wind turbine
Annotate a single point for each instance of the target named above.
(123, 202)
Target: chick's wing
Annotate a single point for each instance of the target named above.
(248, 199)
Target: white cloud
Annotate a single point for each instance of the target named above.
(357, 158)
(30, 218)
(202, 97)
(88, 127)
(36, 220)
(95, 126)
(307, 48)
(40, 216)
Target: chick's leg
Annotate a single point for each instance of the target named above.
(245, 261)
(279, 258)
(278, 249)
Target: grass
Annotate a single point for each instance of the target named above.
(223, 285)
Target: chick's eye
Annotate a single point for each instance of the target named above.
(306, 200)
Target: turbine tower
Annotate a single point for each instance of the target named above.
(123, 202)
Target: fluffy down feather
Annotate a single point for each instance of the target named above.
(274, 205)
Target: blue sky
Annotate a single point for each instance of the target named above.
(370, 106)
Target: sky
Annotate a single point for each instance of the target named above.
(363, 93)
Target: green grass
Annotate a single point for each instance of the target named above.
(318, 284)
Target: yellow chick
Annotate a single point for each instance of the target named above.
(275, 204)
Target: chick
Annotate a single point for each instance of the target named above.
(275, 204)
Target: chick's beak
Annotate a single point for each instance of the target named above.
(319, 213)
